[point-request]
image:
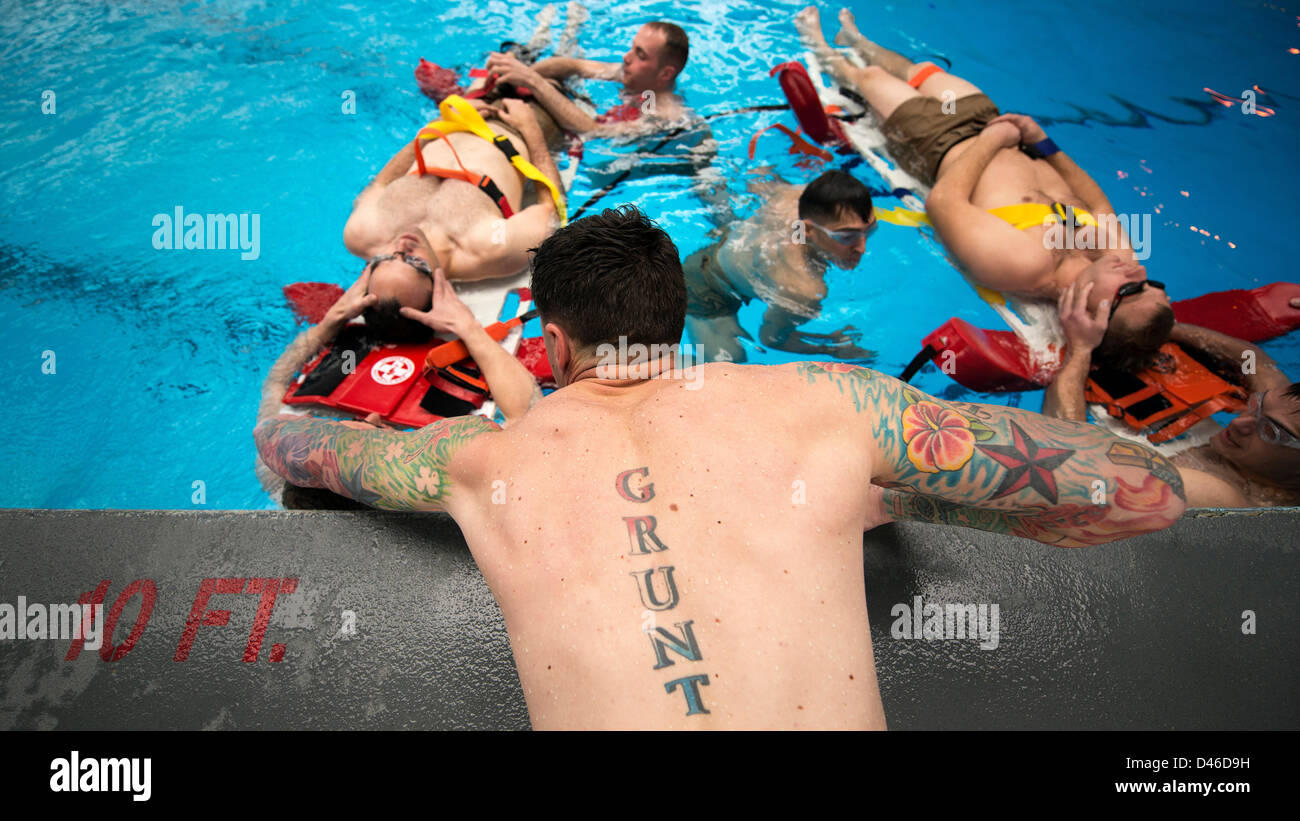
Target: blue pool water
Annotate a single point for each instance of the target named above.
(235, 107)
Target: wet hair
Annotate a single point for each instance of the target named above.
(677, 47)
(1132, 347)
(384, 319)
(612, 274)
(831, 194)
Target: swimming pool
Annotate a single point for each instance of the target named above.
(113, 114)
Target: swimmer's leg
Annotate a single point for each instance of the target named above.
(936, 84)
(876, 55)
(882, 90)
(718, 337)
(574, 16)
(541, 35)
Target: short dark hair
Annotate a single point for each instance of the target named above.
(384, 319)
(677, 46)
(1293, 392)
(612, 274)
(1131, 348)
(835, 191)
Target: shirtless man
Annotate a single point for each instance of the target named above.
(1253, 462)
(999, 186)
(780, 256)
(679, 557)
(407, 224)
(648, 73)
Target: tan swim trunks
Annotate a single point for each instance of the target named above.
(919, 133)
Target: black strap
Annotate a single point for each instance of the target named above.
(927, 353)
(507, 148)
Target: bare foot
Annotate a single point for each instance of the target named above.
(575, 14)
(848, 33)
(809, 25)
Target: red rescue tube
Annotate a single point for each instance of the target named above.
(983, 360)
(991, 361)
(1255, 315)
(805, 103)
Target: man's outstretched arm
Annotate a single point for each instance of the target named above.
(559, 68)
(994, 253)
(1004, 469)
(379, 467)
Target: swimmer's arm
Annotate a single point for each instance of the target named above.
(994, 253)
(1207, 490)
(381, 468)
(565, 113)
(346, 308)
(513, 388)
(1084, 330)
(357, 228)
(558, 68)
(1002, 469)
(1234, 352)
(1064, 398)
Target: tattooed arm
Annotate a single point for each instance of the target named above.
(387, 469)
(1004, 469)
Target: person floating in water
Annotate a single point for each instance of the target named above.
(1254, 461)
(513, 388)
(454, 199)
(1004, 196)
(648, 73)
(780, 256)
(632, 522)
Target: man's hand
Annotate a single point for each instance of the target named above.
(509, 69)
(519, 115)
(348, 307)
(447, 314)
(1030, 131)
(1083, 331)
(1004, 133)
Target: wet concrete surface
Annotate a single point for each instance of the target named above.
(1143, 634)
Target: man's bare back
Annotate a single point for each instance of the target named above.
(643, 538)
(654, 534)
(675, 549)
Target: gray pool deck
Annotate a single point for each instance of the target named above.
(1142, 634)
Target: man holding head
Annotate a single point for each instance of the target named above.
(1252, 462)
(1016, 213)
(652, 563)
(648, 72)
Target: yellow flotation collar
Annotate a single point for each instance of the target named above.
(1024, 215)
(902, 216)
(915, 219)
(459, 115)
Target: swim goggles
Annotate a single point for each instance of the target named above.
(1131, 288)
(846, 236)
(413, 261)
(1269, 431)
